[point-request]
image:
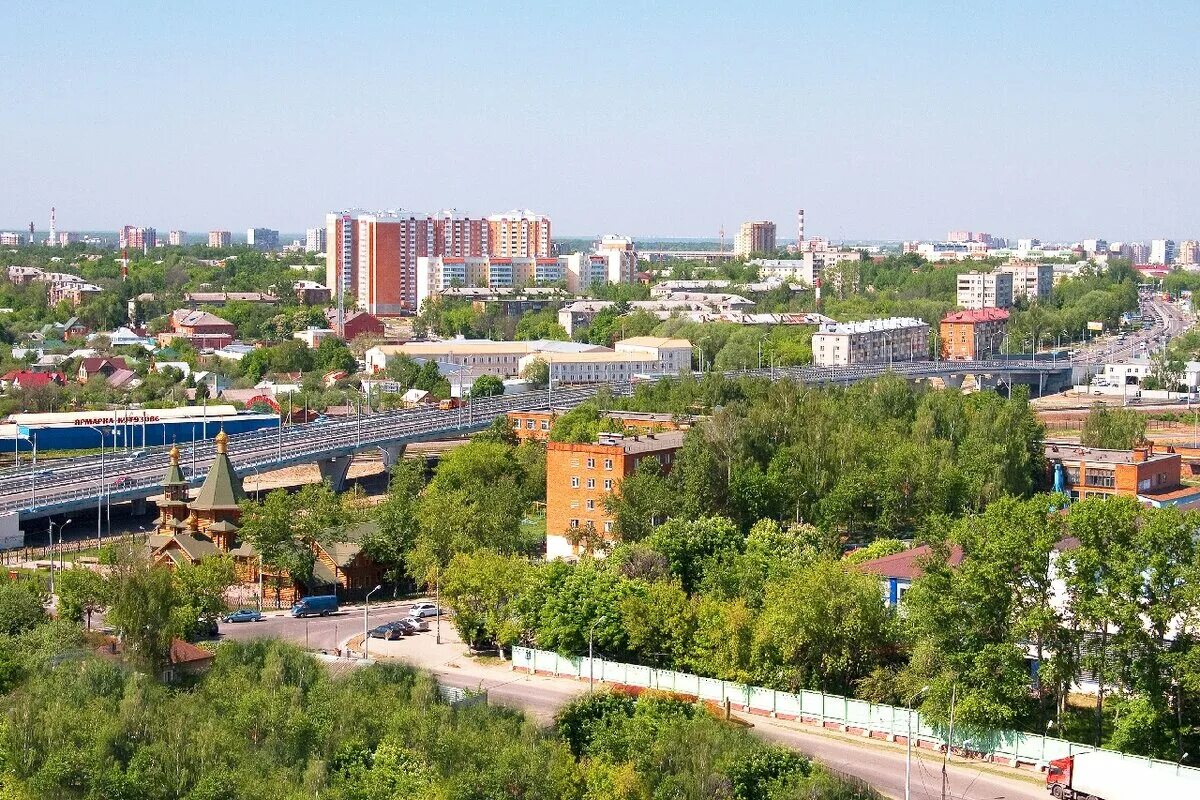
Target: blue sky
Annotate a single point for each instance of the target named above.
(882, 119)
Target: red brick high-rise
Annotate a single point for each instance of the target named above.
(372, 257)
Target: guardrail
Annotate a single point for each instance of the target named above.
(871, 720)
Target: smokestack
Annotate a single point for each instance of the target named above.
(53, 239)
(31, 233)
(800, 229)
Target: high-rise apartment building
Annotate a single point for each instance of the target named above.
(519, 233)
(1030, 281)
(1095, 246)
(754, 237)
(1162, 251)
(978, 290)
(220, 238)
(621, 256)
(1189, 252)
(263, 239)
(177, 238)
(134, 238)
(314, 240)
(1139, 253)
(372, 258)
(958, 236)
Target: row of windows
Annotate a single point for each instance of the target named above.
(591, 463)
(607, 525)
(591, 483)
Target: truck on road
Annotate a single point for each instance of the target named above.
(1102, 775)
(322, 605)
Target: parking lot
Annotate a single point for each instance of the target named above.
(327, 633)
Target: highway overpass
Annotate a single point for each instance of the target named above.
(82, 483)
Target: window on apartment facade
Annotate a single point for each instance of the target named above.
(574, 523)
(574, 482)
(591, 483)
(529, 424)
(1100, 477)
(545, 424)
(608, 485)
(608, 526)
(591, 463)
(591, 505)
(608, 463)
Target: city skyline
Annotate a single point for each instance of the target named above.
(608, 119)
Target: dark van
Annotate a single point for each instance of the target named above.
(319, 604)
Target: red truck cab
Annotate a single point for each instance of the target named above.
(1058, 776)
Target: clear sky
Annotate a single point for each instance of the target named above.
(1059, 120)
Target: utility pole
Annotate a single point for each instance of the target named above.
(949, 743)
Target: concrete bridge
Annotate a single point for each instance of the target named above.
(86, 482)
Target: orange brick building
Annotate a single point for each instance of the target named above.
(580, 476)
(537, 424)
(1153, 478)
(971, 335)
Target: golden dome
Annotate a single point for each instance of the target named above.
(222, 441)
(175, 454)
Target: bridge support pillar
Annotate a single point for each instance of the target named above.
(138, 506)
(955, 380)
(334, 471)
(392, 453)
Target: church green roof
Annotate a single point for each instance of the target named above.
(222, 488)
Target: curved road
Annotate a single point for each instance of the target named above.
(878, 763)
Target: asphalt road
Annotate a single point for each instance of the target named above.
(315, 633)
(878, 763)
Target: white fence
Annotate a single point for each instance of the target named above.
(816, 708)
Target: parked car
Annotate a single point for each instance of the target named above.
(384, 631)
(244, 615)
(417, 624)
(425, 609)
(403, 627)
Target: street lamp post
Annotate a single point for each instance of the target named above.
(366, 628)
(50, 551)
(908, 744)
(591, 661)
(100, 494)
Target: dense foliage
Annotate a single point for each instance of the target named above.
(269, 721)
(873, 459)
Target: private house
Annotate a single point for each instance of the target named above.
(99, 365)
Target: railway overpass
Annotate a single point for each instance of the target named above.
(83, 483)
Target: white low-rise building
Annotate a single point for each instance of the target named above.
(571, 360)
(876, 341)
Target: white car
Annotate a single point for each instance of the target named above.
(424, 610)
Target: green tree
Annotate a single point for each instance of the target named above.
(1113, 428)
(537, 372)
(143, 611)
(481, 588)
(20, 607)
(824, 627)
(487, 386)
(81, 593)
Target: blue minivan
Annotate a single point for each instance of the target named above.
(319, 604)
